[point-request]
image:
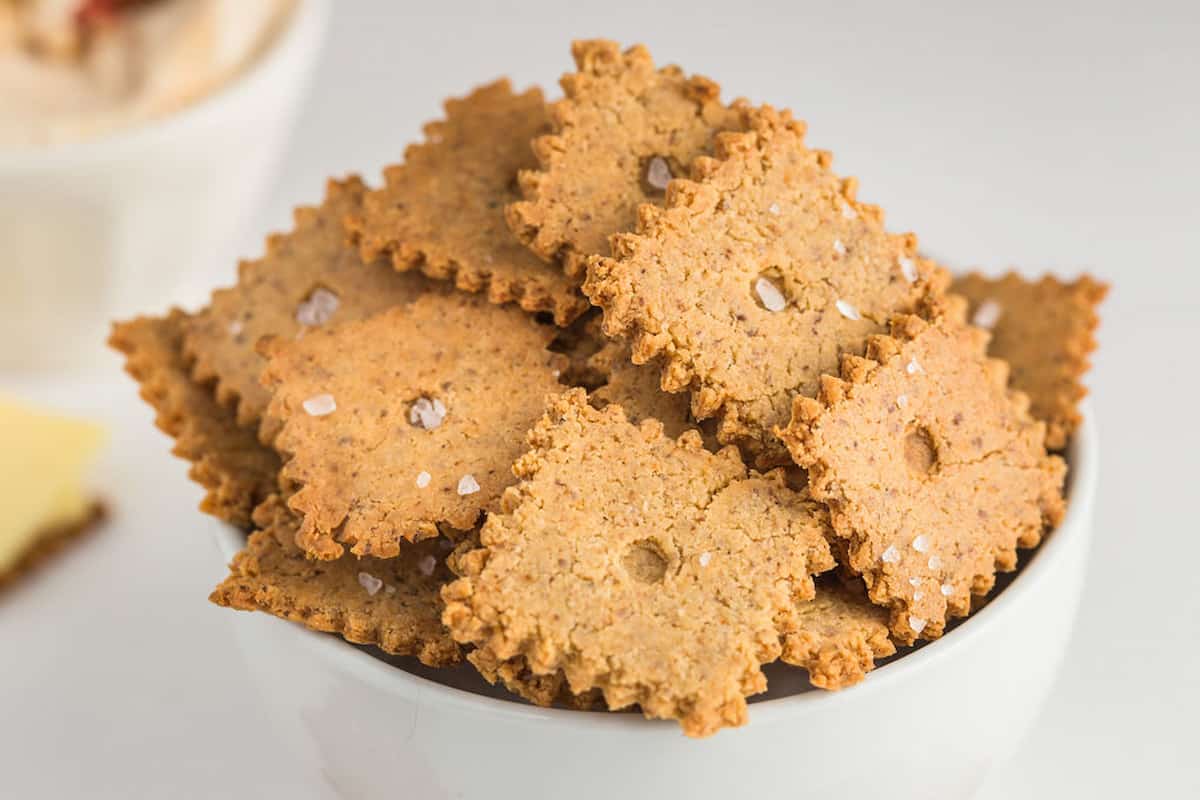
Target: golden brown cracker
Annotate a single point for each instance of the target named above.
(933, 471)
(541, 690)
(635, 388)
(406, 420)
(839, 635)
(639, 565)
(442, 210)
(393, 604)
(308, 277)
(1045, 330)
(226, 459)
(759, 273)
(623, 128)
(49, 543)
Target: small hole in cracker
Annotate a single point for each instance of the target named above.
(920, 452)
(645, 561)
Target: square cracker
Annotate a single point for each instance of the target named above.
(272, 291)
(1045, 330)
(758, 274)
(409, 419)
(226, 459)
(442, 210)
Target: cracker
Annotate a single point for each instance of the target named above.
(933, 471)
(761, 271)
(1045, 331)
(442, 210)
(51, 542)
(274, 293)
(621, 123)
(635, 388)
(226, 459)
(406, 420)
(541, 690)
(642, 566)
(838, 637)
(393, 604)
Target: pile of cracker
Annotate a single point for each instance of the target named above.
(620, 398)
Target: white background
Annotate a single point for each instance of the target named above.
(1060, 136)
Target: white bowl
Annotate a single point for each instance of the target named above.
(134, 220)
(929, 724)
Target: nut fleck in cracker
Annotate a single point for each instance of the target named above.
(646, 567)
(442, 210)
(308, 278)
(621, 133)
(227, 460)
(839, 636)
(933, 471)
(1045, 330)
(406, 420)
(393, 604)
(759, 273)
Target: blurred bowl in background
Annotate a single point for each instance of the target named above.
(133, 221)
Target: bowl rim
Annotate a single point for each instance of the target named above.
(304, 28)
(1084, 456)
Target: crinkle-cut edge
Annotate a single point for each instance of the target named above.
(203, 370)
(835, 667)
(226, 498)
(1086, 293)
(467, 628)
(593, 58)
(856, 370)
(541, 690)
(238, 592)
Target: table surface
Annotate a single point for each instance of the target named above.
(1060, 141)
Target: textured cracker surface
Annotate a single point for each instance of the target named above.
(541, 690)
(403, 617)
(838, 637)
(635, 388)
(357, 467)
(226, 459)
(442, 210)
(50, 543)
(619, 112)
(933, 471)
(1045, 332)
(646, 567)
(221, 339)
(682, 287)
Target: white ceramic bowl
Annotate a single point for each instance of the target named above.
(135, 220)
(927, 725)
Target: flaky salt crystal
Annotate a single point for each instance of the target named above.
(423, 479)
(658, 173)
(318, 308)
(987, 315)
(705, 557)
(891, 555)
(319, 405)
(426, 413)
(772, 299)
(947, 590)
(426, 565)
(912, 368)
(847, 310)
(908, 269)
(774, 209)
(916, 623)
(838, 247)
(921, 543)
(369, 582)
(467, 485)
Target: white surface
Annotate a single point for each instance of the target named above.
(1005, 135)
(334, 701)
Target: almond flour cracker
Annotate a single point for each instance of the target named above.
(646, 567)
(759, 273)
(309, 277)
(623, 130)
(227, 460)
(442, 210)
(406, 420)
(1045, 330)
(933, 471)
(839, 636)
(393, 604)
